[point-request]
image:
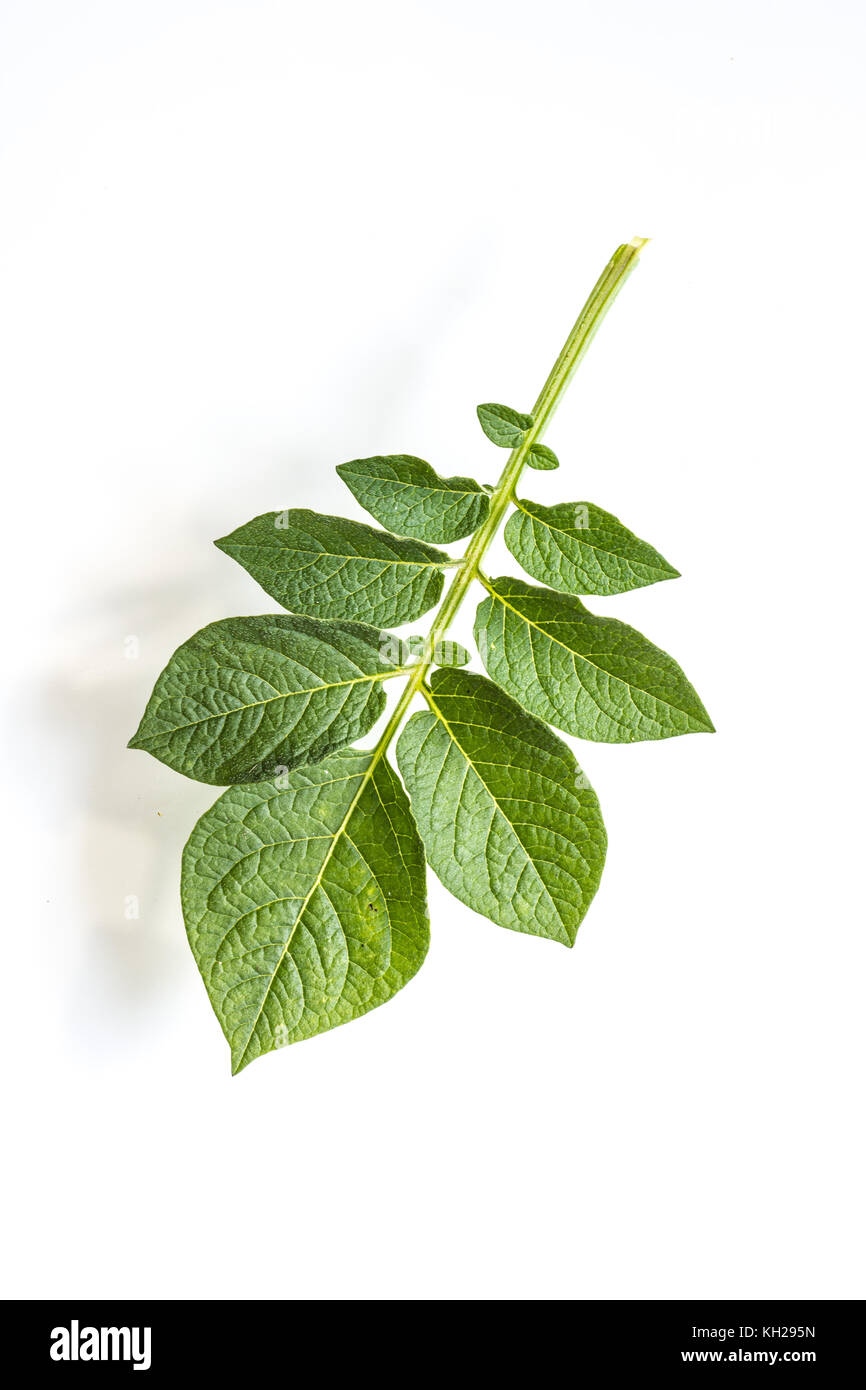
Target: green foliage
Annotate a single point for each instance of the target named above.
(305, 905)
(502, 425)
(541, 457)
(328, 567)
(409, 497)
(509, 822)
(444, 652)
(593, 677)
(248, 697)
(581, 549)
(303, 887)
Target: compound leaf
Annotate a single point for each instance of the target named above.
(580, 549)
(509, 821)
(409, 497)
(329, 567)
(593, 677)
(305, 904)
(502, 425)
(248, 697)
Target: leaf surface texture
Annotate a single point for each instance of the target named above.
(509, 821)
(593, 677)
(305, 906)
(246, 697)
(502, 425)
(581, 549)
(409, 497)
(329, 567)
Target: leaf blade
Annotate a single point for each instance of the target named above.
(305, 905)
(578, 548)
(542, 458)
(246, 697)
(406, 495)
(593, 677)
(328, 567)
(509, 823)
(502, 425)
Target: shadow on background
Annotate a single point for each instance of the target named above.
(119, 818)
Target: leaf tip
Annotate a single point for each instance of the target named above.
(703, 721)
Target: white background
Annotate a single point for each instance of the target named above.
(243, 242)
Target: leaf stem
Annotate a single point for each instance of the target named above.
(608, 286)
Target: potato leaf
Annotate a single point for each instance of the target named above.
(509, 822)
(580, 549)
(542, 458)
(246, 698)
(410, 498)
(502, 425)
(328, 567)
(305, 903)
(594, 677)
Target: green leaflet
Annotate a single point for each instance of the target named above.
(333, 568)
(508, 820)
(408, 496)
(248, 697)
(541, 457)
(305, 906)
(502, 425)
(449, 653)
(593, 677)
(581, 549)
(445, 652)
